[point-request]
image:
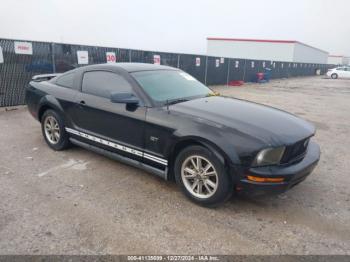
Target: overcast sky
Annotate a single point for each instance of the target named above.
(177, 25)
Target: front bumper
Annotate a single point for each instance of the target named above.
(292, 174)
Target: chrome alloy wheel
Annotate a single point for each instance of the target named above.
(52, 130)
(199, 176)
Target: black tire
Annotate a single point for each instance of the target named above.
(224, 183)
(63, 140)
(334, 76)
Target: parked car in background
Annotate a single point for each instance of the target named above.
(339, 72)
(163, 120)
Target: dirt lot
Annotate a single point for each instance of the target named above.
(78, 202)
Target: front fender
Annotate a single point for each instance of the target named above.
(229, 159)
(225, 155)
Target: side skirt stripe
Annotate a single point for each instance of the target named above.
(118, 146)
(155, 159)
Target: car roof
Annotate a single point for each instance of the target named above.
(130, 67)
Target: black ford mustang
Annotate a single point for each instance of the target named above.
(163, 120)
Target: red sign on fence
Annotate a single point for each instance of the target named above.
(83, 57)
(110, 57)
(198, 61)
(24, 48)
(1, 56)
(156, 59)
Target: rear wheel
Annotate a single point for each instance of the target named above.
(52, 127)
(334, 76)
(202, 177)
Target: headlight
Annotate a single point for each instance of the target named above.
(269, 156)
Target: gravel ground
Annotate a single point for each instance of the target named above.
(78, 202)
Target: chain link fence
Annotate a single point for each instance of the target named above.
(23, 59)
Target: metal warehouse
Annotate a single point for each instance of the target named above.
(338, 60)
(270, 50)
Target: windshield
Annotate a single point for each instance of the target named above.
(168, 85)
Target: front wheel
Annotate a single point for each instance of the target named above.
(202, 176)
(334, 76)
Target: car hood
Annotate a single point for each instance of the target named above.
(267, 124)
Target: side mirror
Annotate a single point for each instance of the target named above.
(124, 98)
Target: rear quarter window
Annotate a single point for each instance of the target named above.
(66, 80)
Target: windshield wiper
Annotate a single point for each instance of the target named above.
(175, 101)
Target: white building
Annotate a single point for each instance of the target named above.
(338, 60)
(271, 50)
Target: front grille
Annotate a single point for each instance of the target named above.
(295, 152)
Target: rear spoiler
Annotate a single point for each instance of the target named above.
(46, 77)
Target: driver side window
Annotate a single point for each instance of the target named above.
(103, 83)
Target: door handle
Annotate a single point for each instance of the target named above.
(82, 102)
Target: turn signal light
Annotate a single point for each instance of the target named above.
(265, 179)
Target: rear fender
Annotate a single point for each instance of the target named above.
(49, 102)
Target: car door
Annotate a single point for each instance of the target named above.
(347, 72)
(113, 126)
(341, 72)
